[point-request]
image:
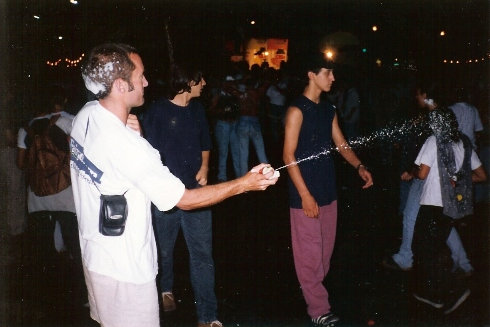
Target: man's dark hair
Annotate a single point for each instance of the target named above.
(434, 91)
(180, 78)
(315, 61)
(444, 123)
(310, 61)
(105, 64)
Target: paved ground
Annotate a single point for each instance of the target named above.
(255, 279)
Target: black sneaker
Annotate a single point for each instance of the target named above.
(456, 300)
(435, 303)
(326, 320)
(389, 263)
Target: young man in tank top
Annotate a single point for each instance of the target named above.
(310, 127)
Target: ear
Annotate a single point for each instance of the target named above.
(120, 85)
(311, 75)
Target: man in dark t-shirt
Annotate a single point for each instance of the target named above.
(177, 127)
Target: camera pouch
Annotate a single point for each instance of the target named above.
(112, 215)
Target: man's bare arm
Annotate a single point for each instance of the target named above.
(348, 154)
(212, 194)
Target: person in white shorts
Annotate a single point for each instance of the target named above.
(109, 156)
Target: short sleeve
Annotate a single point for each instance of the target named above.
(140, 163)
(475, 161)
(478, 125)
(21, 137)
(428, 153)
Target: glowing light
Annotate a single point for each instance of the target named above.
(329, 54)
(375, 28)
(36, 17)
(266, 53)
(60, 37)
(75, 2)
(69, 62)
(252, 22)
(443, 33)
(378, 62)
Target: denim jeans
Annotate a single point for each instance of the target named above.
(404, 189)
(197, 230)
(248, 128)
(404, 257)
(226, 138)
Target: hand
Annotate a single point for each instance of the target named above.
(133, 123)
(310, 206)
(202, 176)
(256, 181)
(366, 176)
(406, 176)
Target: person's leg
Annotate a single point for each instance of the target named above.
(310, 262)
(258, 141)
(197, 229)
(69, 230)
(166, 225)
(431, 254)
(235, 148)
(243, 140)
(404, 257)
(404, 189)
(222, 135)
(458, 252)
(40, 228)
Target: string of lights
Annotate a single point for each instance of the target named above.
(68, 62)
(466, 61)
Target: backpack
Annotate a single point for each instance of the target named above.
(48, 165)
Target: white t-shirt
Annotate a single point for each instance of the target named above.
(109, 158)
(276, 97)
(431, 193)
(61, 201)
(469, 120)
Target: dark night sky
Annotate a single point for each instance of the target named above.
(199, 28)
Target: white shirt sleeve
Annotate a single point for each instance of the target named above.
(428, 153)
(21, 138)
(475, 161)
(478, 125)
(65, 123)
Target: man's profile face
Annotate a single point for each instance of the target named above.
(196, 88)
(324, 79)
(138, 81)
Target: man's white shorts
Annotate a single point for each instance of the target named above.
(119, 304)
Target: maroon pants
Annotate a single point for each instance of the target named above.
(313, 241)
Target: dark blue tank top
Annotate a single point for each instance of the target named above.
(314, 138)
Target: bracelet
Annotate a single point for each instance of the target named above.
(359, 166)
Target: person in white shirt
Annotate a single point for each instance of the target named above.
(52, 223)
(449, 166)
(109, 156)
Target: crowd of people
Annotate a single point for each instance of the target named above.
(156, 168)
